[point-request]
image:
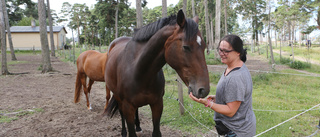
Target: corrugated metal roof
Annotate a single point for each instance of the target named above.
(35, 29)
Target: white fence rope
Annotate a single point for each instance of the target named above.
(287, 120)
(261, 71)
(314, 133)
(282, 110)
(195, 118)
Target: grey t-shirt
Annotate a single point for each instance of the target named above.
(237, 86)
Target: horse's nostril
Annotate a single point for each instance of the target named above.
(201, 91)
(190, 90)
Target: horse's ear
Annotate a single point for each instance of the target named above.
(196, 19)
(181, 20)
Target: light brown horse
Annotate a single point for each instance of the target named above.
(134, 68)
(90, 64)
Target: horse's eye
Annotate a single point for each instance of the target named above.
(186, 48)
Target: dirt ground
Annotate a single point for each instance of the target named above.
(53, 94)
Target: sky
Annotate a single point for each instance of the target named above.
(57, 4)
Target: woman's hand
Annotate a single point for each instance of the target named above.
(200, 100)
(212, 97)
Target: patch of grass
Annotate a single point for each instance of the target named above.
(16, 114)
(270, 92)
(6, 119)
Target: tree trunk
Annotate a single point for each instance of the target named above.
(269, 37)
(4, 67)
(78, 30)
(6, 18)
(46, 64)
(139, 14)
(275, 38)
(206, 16)
(164, 8)
(184, 8)
(51, 30)
(225, 18)
(217, 25)
(74, 48)
(116, 20)
(193, 9)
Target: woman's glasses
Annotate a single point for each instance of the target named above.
(225, 52)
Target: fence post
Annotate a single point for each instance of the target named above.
(180, 95)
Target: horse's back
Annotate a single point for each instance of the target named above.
(119, 41)
(92, 63)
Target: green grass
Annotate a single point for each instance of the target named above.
(17, 114)
(270, 92)
(210, 59)
(67, 55)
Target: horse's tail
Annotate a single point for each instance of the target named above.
(112, 107)
(77, 89)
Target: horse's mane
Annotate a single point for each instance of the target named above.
(146, 32)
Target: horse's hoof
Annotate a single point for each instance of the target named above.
(139, 133)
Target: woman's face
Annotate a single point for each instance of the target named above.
(227, 53)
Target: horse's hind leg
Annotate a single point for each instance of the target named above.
(88, 93)
(84, 85)
(137, 122)
(107, 97)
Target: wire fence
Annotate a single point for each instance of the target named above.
(258, 71)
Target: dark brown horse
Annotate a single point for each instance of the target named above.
(134, 68)
(90, 64)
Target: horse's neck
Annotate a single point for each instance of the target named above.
(150, 58)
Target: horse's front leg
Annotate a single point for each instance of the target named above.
(123, 122)
(129, 114)
(156, 109)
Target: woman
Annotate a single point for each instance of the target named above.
(233, 100)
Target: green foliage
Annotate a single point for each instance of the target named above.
(26, 21)
(270, 92)
(210, 59)
(16, 12)
(309, 29)
(214, 77)
(299, 65)
(308, 54)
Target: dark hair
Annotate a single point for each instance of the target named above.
(237, 45)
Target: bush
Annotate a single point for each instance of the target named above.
(210, 60)
(299, 65)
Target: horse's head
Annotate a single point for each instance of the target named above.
(184, 52)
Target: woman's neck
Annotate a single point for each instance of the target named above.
(232, 65)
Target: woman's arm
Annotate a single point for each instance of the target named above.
(229, 110)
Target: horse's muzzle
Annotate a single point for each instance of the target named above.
(201, 92)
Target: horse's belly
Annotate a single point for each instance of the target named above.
(96, 76)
